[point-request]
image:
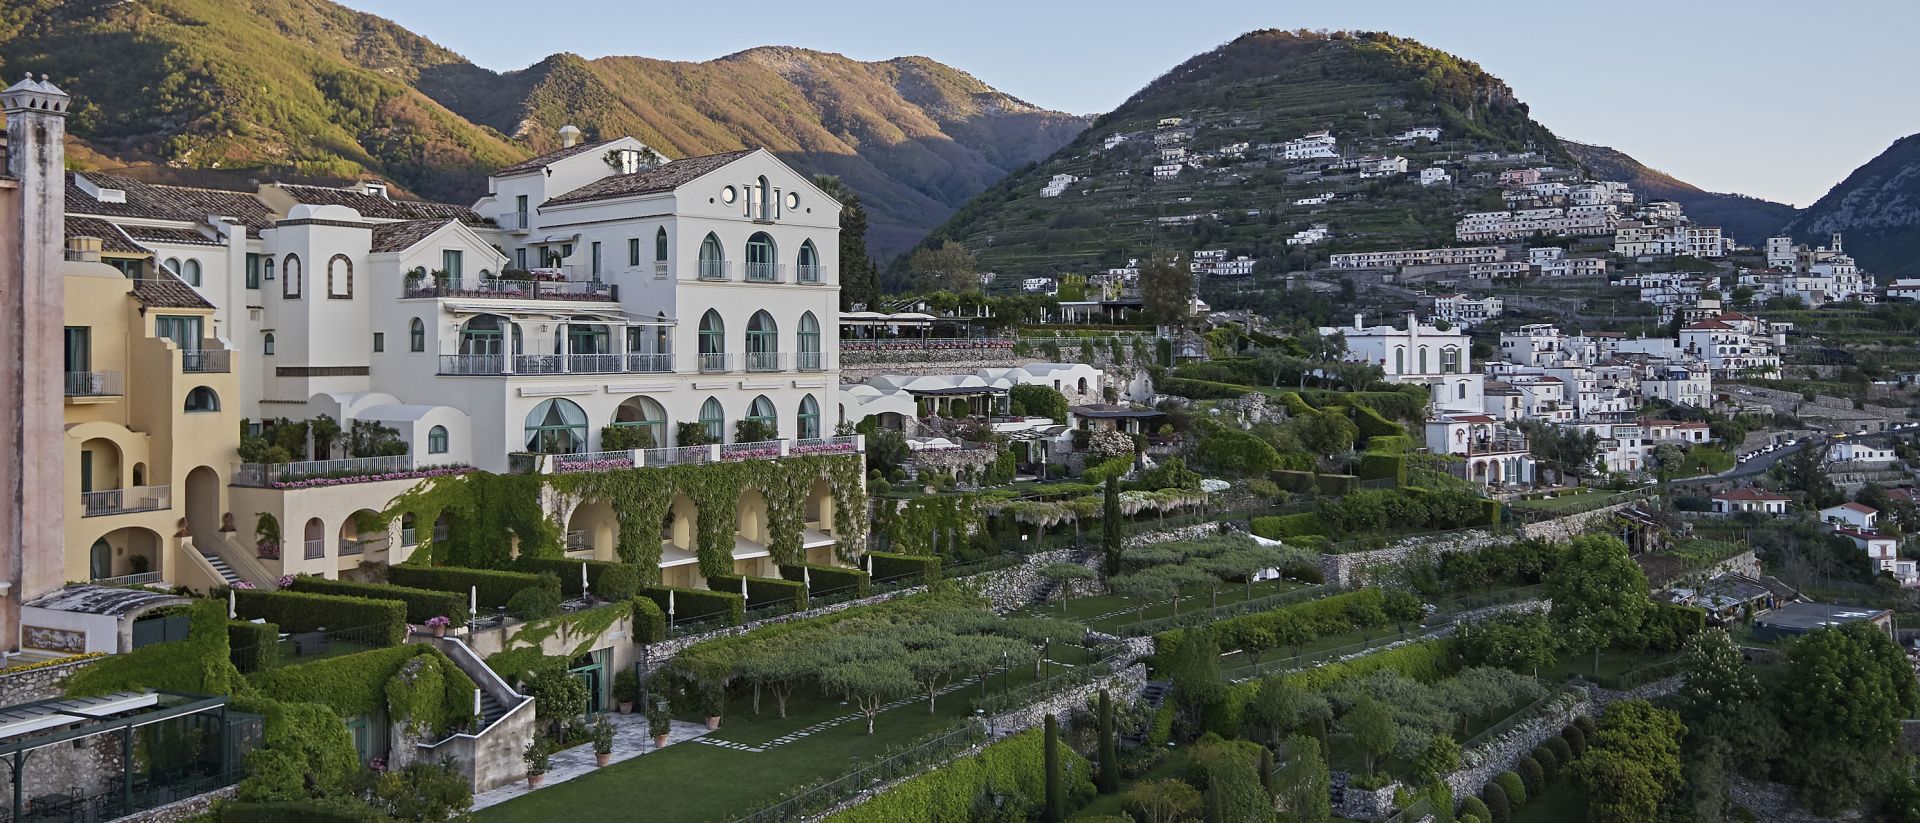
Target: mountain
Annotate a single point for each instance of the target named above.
(1749, 220)
(1878, 209)
(215, 91)
(1261, 89)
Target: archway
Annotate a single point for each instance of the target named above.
(593, 529)
(314, 539)
(100, 560)
(126, 551)
(681, 527)
(819, 506)
(752, 517)
(99, 465)
(556, 426)
(203, 502)
(644, 414)
(362, 533)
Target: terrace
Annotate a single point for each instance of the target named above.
(318, 473)
(537, 284)
(532, 463)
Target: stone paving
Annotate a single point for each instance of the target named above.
(630, 740)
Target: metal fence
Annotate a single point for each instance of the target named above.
(260, 475)
(906, 762)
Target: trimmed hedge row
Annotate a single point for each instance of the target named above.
(649, 621)
(568, 570)
(303, 612)
(1383, 466)
(1372, 425)
(694, 604)
(829, 579)
(1203, 389)
(761, 590)
(253, 646)
(1015, 767)
(496, 587)
(1336, 485)
(1302, 623)
(1276, 527)
(422, 604)
(888, 566)
(1425, 661)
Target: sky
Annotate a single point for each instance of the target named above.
(1769, 98)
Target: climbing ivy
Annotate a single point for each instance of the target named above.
(488, 516)
(923, 526)
(587, 625)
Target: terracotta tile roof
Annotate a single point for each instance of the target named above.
(1902, 494)
(157, 202)
(392, 237)
(379, 207)
(1856, 507)
(1706, 324)
(1749, 494)
(153, 234)
(532, 163)
(666, 177)
(112, 240)
(164, 291)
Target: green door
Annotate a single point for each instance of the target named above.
(86, 470)
(587, 667)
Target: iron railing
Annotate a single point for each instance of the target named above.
(675, 455)
(811, 361)
(763, 361)
(649, 363)
(473, 364)
(264, 475)
(125, 501)
(206, 361)
(809, 273)
(764, 272)
(715, 362)
(94, 384)
(713, 270)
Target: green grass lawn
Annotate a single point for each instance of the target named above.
(1108, 612)
(1111, 805)
(1565, 500)
(1561, 802)
(1613, 663)
(696, 782)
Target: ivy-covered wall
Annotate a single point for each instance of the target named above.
(489, 511)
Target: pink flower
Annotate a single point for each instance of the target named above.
(286, 581)
(242, 584)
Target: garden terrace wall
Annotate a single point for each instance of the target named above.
(495, 587)
(253, 646)
(695, 604)
(762, 590)
(422, 604)
(828, 580)
(40, 681)
(1342, 569)
(1498, 753)
(303, 612)
(887, 567)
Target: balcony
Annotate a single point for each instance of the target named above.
(94, 384)
(579, 541)
(715, 362)
(1501, 444)
(528, 463)
(126, 501)
(660, 270)
(764, 361)
(765, 272)
(715, 270)
(644, 363)
(596, 363)
(316, 473)
(539, 284)
(811, 361)
(809, 273)
(355, 546)
(514, 221)
(206, 361)
(551, 364)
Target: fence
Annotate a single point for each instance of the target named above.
(909, 761)
(1029, 693)
(306, 647)
(1587, 503)
(261, 475)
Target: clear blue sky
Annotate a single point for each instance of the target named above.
(1764, 97)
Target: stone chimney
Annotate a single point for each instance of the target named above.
(569, 136)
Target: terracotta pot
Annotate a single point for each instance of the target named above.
(439, 631)
(602, 759)
(659, 741)
(713, 723)
(534, 780)
(626, 708)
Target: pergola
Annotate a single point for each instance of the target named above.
(187, 745)
(985, 400)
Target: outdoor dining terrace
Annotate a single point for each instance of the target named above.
(530, 463)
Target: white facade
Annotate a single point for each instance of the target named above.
(1466, 311)
(1855, 451)
(1419, 354)
(1313, 145)
(1417, 257)
(1434, 176)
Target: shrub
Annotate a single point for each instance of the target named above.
(1532, 775)
(649, 622)
(1549, 764)
(421, 603)
(1033, 400)
(254, 646)
(762, 590)
(621, 582)
(495, 587)
(1013, 767)
(893, 567)
(1576, 740)
(1278, 527)
(567, 571)
(1588, 730)
(1476, 808)
(1515, 788)
(1498, 809)
(1228, 449)
(696, 604)
(1302, 623)
(1425, 661)
(1562, 752)
(302, 612)
(828, 579)
(533, 603)
(1382, 466)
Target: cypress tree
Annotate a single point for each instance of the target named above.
(1109, 747)
(1056, 799)
(1266, 769)
(1216, 807)
(1110, 523)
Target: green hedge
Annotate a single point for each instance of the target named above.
(1383, 466)
(762, 590)
(1203, 389)
(1666, 626)
(1013, 768)
(1336, 485)
(254, 646)
(1296, 406)
(422, 604)
(1425, 661)
(1401, 444)
(1279, 526)
(568, 570)
(694, 604)
(430, 695)
(303, 612)
(1303, 623)
(308, 811)
(829, 579)
(496, 587)
(649, 621)
(887, 566)
(1371, 424)
(1410, 404)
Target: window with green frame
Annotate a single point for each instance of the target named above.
(761, 410)
(714, 418)
(556, 426)
(808, 421)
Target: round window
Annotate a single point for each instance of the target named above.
(793, 200)
(728, 195)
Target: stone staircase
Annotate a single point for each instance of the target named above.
(1154, 694)
(1044, 589)
(490, 709)
(219, 565)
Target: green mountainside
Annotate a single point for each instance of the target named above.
(1878, 209)
(1749, 220)
(310, 88)
(1265, 87)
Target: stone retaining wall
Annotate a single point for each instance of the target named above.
(41, 683)
(1196, 531)
(179, 810)
(1361, 804)
(1350, 568)
(1483, 762)
(1123, 683)
(1774, 802)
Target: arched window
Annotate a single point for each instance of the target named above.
(808, 421)
(646, 415)
(173, 267)
(100, 560)
(762, 265)
(761, 410)
(266, 268)
(409, 532)
(713, 342)
(763, 195)
(809, 263)
(202, 399)
(266, 345)
(556, 426)
(763, 342)
(315, 537)
(1450, 360)
(714, 418)
(1399, 361)
(1423, 360)
(191, 272)
(416, 335)
(809, 340)
(713, 260)
(660, 245)
(290, 283)
(486, 335)
(1082, 386)
(437, 440)
(339, 278)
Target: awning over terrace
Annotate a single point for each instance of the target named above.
(190, 744)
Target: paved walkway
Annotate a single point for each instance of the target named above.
(630, 740)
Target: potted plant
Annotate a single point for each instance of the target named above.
(659, 722)
(712, 700)
(626, 689)
(602, 742)
(536, 760)
(438, 623)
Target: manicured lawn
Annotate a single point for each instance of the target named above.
(696, 782)
(1564, 500)
(1613, 663)
(1561, 802)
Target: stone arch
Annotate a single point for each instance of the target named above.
(290, 277)
(593, 528)
(334, 291)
